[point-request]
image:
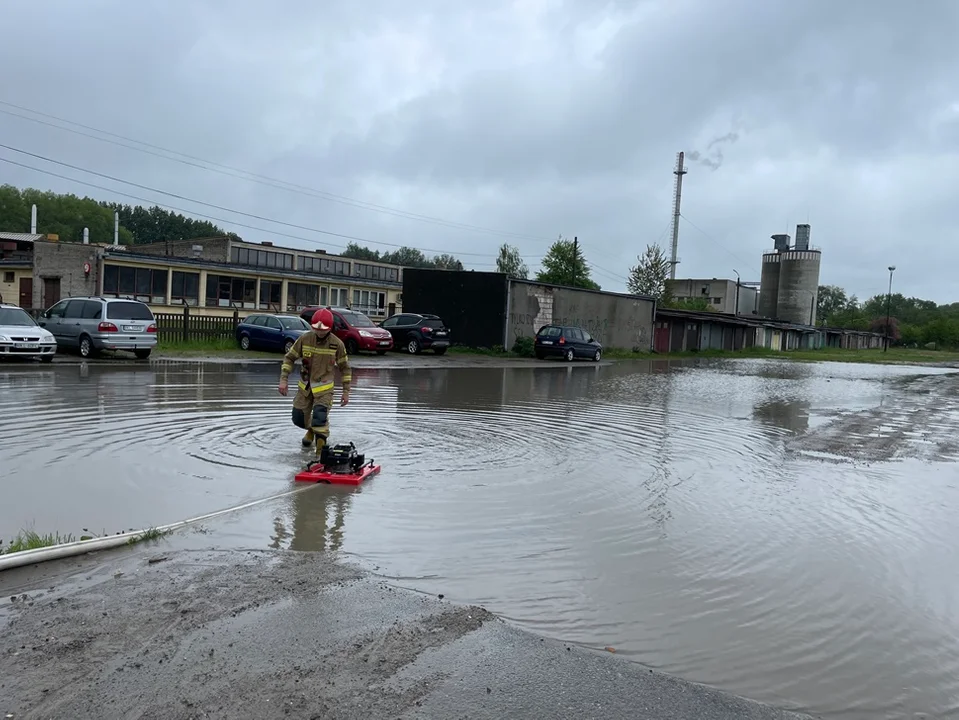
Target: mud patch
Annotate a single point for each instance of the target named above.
(919, 419)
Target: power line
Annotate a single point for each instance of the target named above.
(255, 177)
(224, 220)
(723, 247)
(201, 202)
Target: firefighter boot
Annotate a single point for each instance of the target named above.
(308, 439)
(320, 444)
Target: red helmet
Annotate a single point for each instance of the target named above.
(322, 319)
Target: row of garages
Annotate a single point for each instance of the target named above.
(692, 331)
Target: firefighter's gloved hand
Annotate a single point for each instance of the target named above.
(282, 387)
(345, 399)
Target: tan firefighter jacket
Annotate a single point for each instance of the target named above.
(318, 359)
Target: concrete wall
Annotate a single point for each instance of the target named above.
(798, 289)
(64, 260)
(769, 286)
(617, 321)
(723, 290)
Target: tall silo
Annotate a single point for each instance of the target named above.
(798, 290)
(769, 285)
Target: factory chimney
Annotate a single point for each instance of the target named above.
(33, 220)
(86, 236)
(116, 228)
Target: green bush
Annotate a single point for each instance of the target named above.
(524, 347)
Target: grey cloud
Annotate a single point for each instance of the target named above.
(490, 115)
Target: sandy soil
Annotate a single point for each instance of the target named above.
(149, 633)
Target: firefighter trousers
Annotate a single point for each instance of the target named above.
(312, 413)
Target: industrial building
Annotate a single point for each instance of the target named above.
(789, 283)
(725, 296)
(488, 309)
(211, 276)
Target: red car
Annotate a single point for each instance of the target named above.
(356, 331)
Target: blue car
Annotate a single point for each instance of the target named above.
(270, 332)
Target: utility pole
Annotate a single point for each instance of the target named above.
(575, 257)
(736, 309)
(677, 198)
(892, 269)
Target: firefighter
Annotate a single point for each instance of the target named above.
(319, 353)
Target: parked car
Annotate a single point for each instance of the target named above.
(21, 336)
(270, 332)
(415, 333)
(356, 331)
(566, 342)
(92, 324)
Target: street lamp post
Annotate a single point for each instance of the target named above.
(892, 269)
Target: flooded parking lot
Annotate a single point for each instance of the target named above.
(782, 531)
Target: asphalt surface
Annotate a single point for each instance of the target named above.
(151, 632)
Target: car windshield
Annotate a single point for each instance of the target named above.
(128, 311)
(549, 332)
(293, 323)
(357, 319)
(15, 317)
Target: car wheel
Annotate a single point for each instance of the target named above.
(439, 351)
(142, 354)
(569, 355)
(413, 346)
(288, 346)
(351, 347)
(86, 346)
(597, 356)
(245, 342)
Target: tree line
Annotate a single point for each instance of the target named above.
(66, 215)
(912, 321)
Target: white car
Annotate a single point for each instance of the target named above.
(21, 336)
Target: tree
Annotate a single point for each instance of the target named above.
(511, 263)
(404, 256)
(564, 264)
(831, 300)
(650, 274)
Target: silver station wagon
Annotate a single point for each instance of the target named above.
(91, 324)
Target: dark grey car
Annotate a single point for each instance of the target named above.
(91, 324)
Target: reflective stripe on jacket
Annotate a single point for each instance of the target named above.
(318, 359)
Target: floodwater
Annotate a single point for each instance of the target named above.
(782, 531)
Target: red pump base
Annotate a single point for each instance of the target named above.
(318, 474)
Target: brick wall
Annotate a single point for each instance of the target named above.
(63, 261)
(215, 249)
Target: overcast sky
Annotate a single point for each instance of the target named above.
(516, 122)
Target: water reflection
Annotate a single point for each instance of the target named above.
(791, 415)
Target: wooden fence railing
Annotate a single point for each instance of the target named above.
(187, 326)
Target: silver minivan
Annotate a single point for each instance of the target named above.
(92, 324)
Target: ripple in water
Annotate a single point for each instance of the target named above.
(658, 508)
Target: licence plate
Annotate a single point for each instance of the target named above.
(441, 334)
(27, 346)
(384, 342)
(132, 328)
(547, 342)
